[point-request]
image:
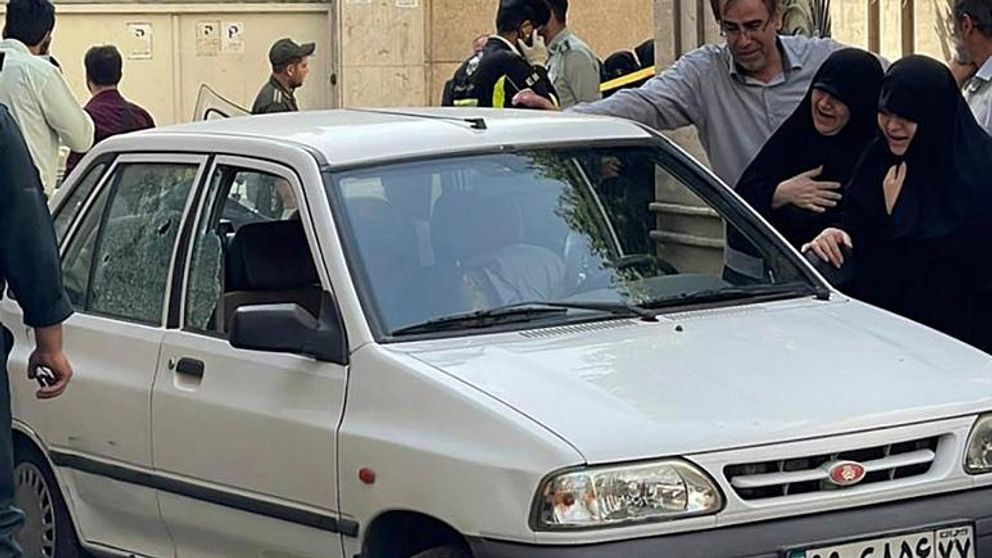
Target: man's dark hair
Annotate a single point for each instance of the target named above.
(773, 7)
(513, 13)
(980, 12)
(560, 9)
(29, 21)
(103, 65)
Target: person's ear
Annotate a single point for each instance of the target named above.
(967, 25)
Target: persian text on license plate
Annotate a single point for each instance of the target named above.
(951, 542)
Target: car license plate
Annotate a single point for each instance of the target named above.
(949, 542)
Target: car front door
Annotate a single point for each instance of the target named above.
(247, 439)
(120, 241)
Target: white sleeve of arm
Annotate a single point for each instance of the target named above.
(65, 116)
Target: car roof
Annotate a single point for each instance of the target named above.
(353, 137)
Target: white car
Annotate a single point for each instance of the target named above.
(452, 334)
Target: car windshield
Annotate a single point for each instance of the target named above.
(540, 237)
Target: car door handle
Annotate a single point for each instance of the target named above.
(190, 367)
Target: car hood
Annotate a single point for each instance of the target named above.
(721, 379)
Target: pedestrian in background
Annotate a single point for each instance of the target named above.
(290, 67)
(112, 114)
(35, 91)
(572, 66)
(514, 59)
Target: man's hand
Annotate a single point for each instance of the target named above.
(528, 99)
(827, 245)
(48, 353)
(804, 192)
(963, 71)
(537, 54)
(894, 179)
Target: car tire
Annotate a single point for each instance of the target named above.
(445, 552)
(48, 531)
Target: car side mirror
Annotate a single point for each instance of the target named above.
(288, 328)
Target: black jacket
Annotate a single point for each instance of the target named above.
(29, 257)
(274, 98)
(502, 73)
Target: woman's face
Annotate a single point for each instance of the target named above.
(898, 131)
(830, 114)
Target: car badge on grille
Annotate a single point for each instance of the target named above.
(845, 473)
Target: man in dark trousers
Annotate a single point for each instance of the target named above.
(290, 66)
(29, 265)
(513, 60)
(112, 114)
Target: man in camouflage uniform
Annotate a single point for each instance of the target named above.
(290, 67)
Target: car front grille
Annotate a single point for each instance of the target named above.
(803, 475)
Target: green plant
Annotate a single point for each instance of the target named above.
(807, 17)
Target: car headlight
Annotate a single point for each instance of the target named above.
(612, 496)
(978, 457)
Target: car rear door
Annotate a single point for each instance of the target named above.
(121, 235)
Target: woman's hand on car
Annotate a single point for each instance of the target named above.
(828, 246)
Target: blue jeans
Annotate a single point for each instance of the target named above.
(11, 518)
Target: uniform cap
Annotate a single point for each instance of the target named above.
(285, 51)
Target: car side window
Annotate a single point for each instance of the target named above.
(78, 258)
(76, 199)
(249, 248)
(117, 263)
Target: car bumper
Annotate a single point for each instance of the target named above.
(770, 539)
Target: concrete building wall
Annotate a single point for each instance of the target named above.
(181, 47)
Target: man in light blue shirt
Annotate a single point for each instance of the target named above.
(736, 94)
(973, 64)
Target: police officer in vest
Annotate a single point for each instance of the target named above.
(29, 265)
(290, 66)
(572, 66)
(513, 60)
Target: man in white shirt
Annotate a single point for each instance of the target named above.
(973, 64)
(35, 92)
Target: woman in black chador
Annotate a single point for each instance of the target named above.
(795, 181)
(918, 210)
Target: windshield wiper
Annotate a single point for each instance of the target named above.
(753, 293)
(523, 312)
